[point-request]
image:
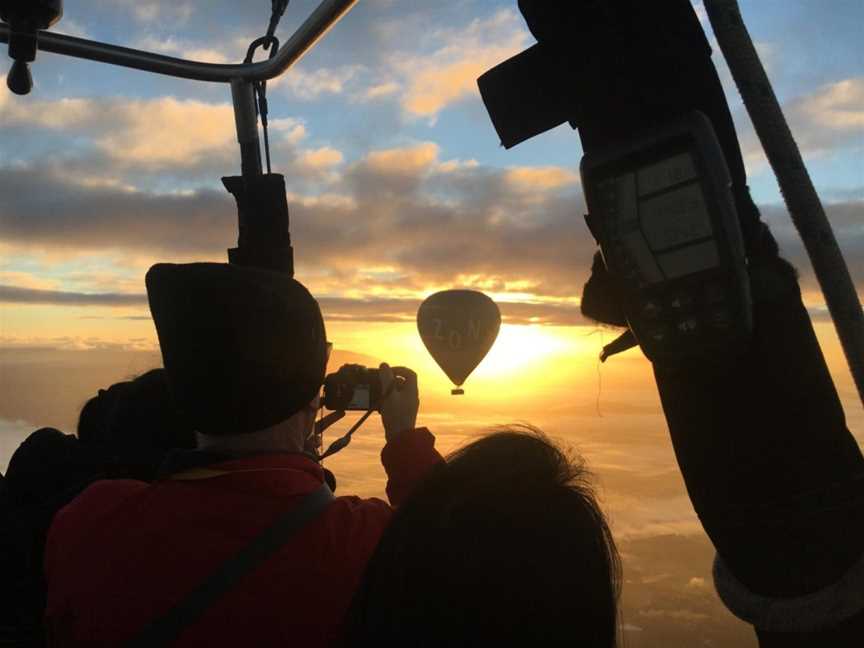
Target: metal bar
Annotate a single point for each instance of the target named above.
(246, 119)
(315, 26)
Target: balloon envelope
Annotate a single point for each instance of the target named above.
(458, 328)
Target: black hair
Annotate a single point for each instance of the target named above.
(135, 423)
(503, 544)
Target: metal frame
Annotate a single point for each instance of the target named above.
(241, 76)
(315, 26)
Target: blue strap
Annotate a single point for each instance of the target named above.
(168, 628)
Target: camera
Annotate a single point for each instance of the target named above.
(353, 387)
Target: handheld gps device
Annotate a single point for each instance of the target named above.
(661, 209)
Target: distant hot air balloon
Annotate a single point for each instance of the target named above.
(458, 328)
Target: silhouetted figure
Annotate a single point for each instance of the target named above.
(135, 424)
(21, 595)
(124, 432)
(46, 472)
(238, 542)
(503, 545)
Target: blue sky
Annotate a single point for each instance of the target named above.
(396, 181)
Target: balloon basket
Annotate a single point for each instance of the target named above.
(457, 392)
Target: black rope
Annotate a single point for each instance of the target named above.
(278, 10)
(271, 43)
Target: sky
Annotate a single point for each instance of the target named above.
(397, 188)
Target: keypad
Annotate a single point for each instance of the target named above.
(686, 317)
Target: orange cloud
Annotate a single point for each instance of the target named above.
(60, 114)
(450, 73)
(151, 132)
(169, 130)
(409, 160)
(837, 105)
(321, 158)
(540, 178)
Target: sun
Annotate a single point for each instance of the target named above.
(525, 357)
(518, 347)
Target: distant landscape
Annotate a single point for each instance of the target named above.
(668, 597)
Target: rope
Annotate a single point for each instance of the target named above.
(798, 192)
(278, 10)
(270, 43)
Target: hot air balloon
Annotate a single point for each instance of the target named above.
(458, 328)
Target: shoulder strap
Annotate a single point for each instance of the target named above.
(167, 628)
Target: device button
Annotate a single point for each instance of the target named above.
(714, 293)
(651, 310)
(720, 318)
(687, 326)
(681, 303)
(658, 335)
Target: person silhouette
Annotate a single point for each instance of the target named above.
(238, 542)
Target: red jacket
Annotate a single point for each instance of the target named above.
(125, 552)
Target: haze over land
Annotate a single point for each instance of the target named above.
(610, 415)
(397, 188)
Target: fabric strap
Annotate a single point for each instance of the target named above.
(168, 628)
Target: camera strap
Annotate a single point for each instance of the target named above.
(343, 441)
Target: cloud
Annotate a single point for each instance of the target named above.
(183, 49)
(169, 131)
(19, 295)
(321, 158)
(71, 27)
(42, 209)
(449, 73)
(411, 160)
(433, 224)
(697, 582)
(846, 221)
(380, 90)
(334, 308)
(60, 114)
(152, 11)
(540, 178)
(827, 120)
(24, 280)
(147, 133)
(838, 106)
(312, 84)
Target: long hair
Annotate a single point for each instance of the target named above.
(504, 544)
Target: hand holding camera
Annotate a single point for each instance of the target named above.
(391, 391)
(401, 402)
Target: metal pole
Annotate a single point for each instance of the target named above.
(246, 120)
(313, 28)
(801, 198)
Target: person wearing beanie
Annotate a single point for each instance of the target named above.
(238, 542)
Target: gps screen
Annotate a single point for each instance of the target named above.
(675, 217)
(662, 219)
